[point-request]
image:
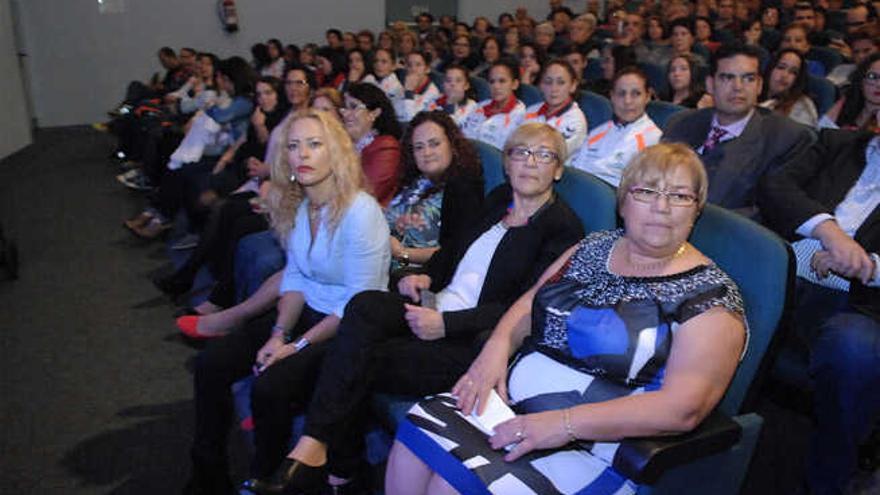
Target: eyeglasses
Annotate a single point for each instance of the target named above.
(872, 77)
(522, 154)
(648, 195)
(295, 82)
(353, 107)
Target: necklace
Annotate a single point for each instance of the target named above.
(315, 211)
(654, 265)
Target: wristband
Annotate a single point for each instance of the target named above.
(278, 329)
(566, 420)
(301, 344)
(404, 258)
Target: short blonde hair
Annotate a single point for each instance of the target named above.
(656, 163)
(286, 195)
(535, 131)
(589, 19)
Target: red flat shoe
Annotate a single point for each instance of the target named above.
(188, 326)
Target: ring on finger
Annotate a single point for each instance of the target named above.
(519, 435)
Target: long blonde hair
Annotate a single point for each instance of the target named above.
(285, 195)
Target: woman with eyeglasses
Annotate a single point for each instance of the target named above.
(858, 108)
(495, 118)
(610, 146)
(785, 88)
(630, 333)
(558, 83)
(369, 118)
(421, 339)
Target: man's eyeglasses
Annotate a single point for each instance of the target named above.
(295, 82)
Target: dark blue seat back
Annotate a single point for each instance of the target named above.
(596, 108)
(481, 88)
(822, 91)
(493, 165)
(436, 78)
(529, 94)
(759, 262)
(656, 76)
(660, 111)
(592, 199)
(829, 57)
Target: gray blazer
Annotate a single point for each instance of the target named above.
(735, 167)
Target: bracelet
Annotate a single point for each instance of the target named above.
(404, 258)
(276, 329)
(566, 420)
(301, 344)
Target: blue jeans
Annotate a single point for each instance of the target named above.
(257, 257)
(845, 369)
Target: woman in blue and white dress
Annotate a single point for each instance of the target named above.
(630, 333)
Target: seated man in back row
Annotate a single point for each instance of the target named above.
(737, 141)
(827, 200)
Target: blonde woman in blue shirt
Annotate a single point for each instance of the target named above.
(337, 244)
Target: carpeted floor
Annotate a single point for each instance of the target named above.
(96, 386)
(96, 392)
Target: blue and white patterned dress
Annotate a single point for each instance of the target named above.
(596, 336)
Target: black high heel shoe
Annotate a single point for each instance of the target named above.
(291, 477)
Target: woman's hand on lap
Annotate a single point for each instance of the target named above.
(545, 430)
(425, 323)
(410, 286)
(269, 349)
(487, 372)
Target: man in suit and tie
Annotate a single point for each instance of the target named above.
(737, 141)
(827, 201)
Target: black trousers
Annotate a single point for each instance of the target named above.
(375, 351)
(230, 359)
(228, 222)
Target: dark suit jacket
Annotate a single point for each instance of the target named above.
(735, 167)
(520, 259)
(815, 182)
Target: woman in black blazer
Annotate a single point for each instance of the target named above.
(388, 342)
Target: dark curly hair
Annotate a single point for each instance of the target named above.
(373, 97)
(465, 160)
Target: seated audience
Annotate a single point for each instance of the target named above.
(441, 189)
(859, 45)
(357, 68)
(857, 108)
(213, 130)
(419, 90)
(383, 75)
(337, 245)
(794, 36)
(490, 50)
(456, 99)
(558, 83)
(571, 395)
(685, 83)
(827, 202)
(610, 146)
(240, 215)
(494, 119)
(785, 89)
(737, 141)
(614, 57)
(531, 59)
(331, 68)
(369, 119)
(389, 342)
(327, 100)
(276, 63)
(461, 54)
